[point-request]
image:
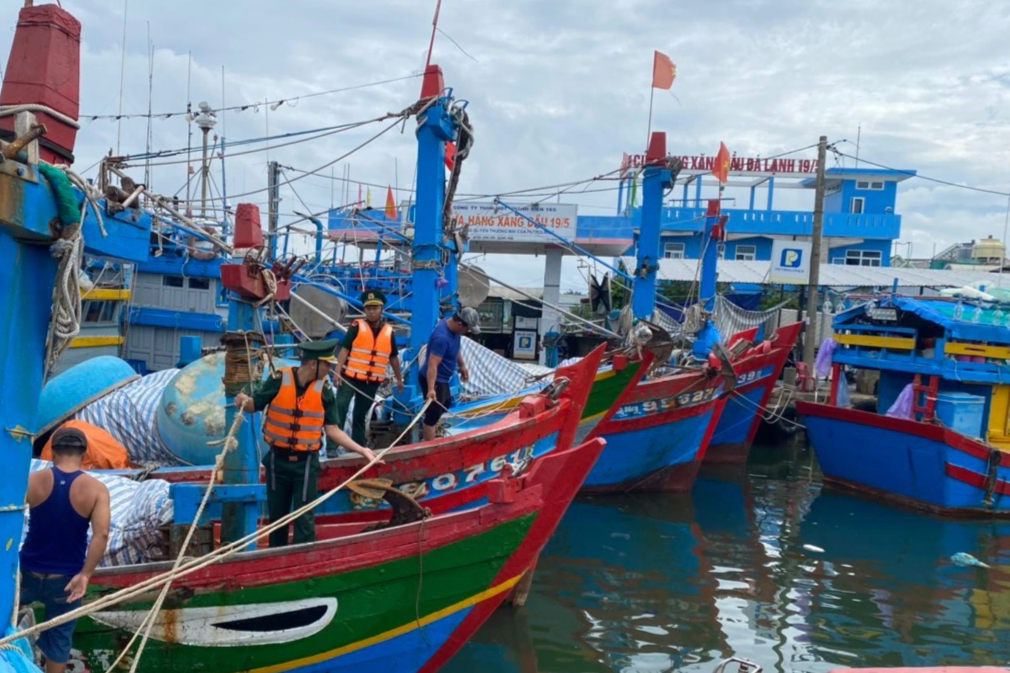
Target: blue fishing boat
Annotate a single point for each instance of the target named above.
(939, 437)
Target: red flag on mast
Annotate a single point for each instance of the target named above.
(722, 164)
(391, 213)
(663, 71)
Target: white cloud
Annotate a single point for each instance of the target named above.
(559, 90)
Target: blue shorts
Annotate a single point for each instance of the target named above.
(49, 590)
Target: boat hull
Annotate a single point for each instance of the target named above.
(757, 374)
(399, 599)
(453, 472)
(917, 464)
(658, 435)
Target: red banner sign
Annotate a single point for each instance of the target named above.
(737, 164)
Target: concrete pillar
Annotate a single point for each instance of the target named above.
(550, 321)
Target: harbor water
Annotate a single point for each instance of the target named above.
(764, 563)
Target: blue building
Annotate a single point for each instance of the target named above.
(860, 222)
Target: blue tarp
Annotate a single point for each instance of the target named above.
(988, 329)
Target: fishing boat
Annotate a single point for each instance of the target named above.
(401, 598)
(939, 436)
(758, 370)
(453, 472)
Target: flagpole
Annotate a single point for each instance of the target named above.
(648, 135)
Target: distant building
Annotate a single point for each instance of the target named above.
(860, 223)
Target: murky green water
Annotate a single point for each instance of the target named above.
(662, 583)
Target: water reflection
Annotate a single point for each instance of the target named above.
(659, 583)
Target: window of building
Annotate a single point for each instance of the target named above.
(878, 186)
(857, 205)
(862, 258)
(673, 251)
(172, 281)
(746, 253)
(199, 283)
(874, 186)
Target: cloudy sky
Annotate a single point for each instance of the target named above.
(559, 89)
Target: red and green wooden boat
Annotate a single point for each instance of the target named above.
(454, 472)
(400, 599)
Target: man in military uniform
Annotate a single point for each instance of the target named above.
(367, 351)
(301, 410)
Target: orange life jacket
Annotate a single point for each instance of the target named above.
(294, 422)
(369, 356)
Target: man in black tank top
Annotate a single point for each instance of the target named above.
(56, 559)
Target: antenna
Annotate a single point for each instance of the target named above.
(150, 96)
(189, 135)
(859, 134)
(122, 79)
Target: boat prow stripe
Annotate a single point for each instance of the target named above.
(393, 633)
(975, 479)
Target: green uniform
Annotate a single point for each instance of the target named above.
(293, 476)
(365, 393)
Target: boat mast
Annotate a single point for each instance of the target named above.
(658, 179)
(434, 128)
(715, 228)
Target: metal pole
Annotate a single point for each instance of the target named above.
(273, 190)
(206, 175)
(815, 257)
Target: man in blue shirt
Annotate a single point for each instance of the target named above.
(441, 359)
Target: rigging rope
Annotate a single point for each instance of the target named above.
(194, 565)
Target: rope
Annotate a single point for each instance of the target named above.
(215, 556)
(66, 312)
(230, 443)
(11, 110)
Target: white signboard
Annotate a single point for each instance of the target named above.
(790, 263)
(488, 223)
(524, 344)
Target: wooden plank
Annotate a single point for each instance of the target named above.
(105, 294)
(895, 343)
(979, 350)
(93, 341)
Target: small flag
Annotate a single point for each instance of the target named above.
(391, 206)
(633, 197)
(663, 71)
(722, 164)
(359, 193)
(450, 155)
(368, 198)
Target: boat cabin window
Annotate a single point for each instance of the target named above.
(673, 251)
(875, 186)
(92, 310)
(199, 283)
(858, 204)
(173, 281)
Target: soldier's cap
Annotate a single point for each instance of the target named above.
(319, 350)
(373, 298)
(70, 438)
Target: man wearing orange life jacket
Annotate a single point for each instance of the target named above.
(368, 349)
(301, 412)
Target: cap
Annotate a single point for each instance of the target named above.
(70, 438)
(373, 298)
(319, 350)
(469, 317)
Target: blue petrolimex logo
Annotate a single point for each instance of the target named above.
(792, 258)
